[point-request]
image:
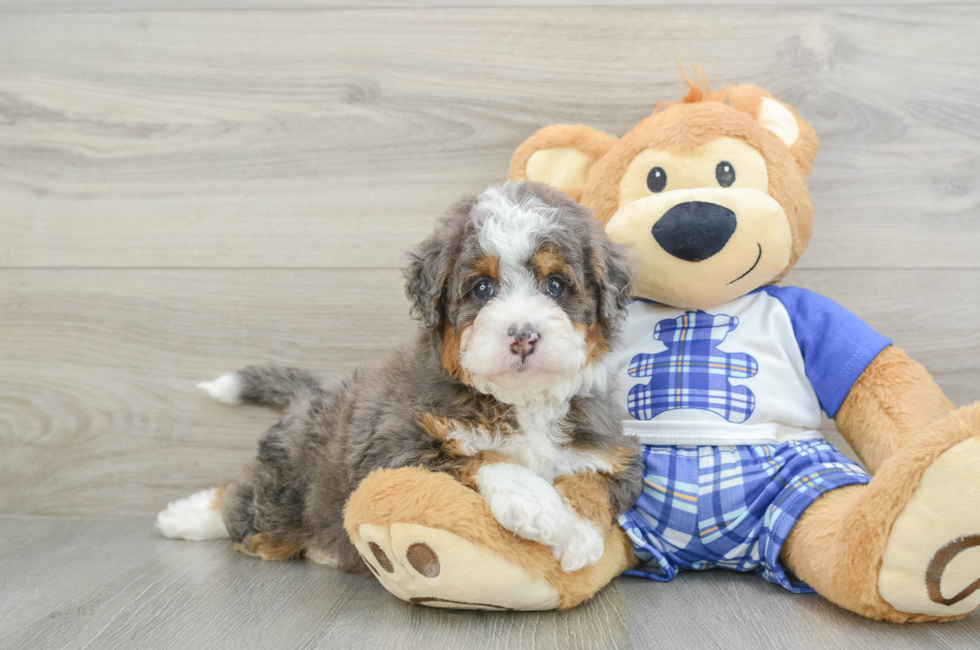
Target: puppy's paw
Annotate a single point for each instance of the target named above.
(584, 547)
(195, 518)
(524, 503)
(227, 388)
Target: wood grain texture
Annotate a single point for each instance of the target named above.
(318, 139)
(109, 584)
(98, 411)
(190, 186)
(20, 6)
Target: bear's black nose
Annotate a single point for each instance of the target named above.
(695, 231)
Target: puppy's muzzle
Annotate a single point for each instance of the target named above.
(696, 230)
(522, 339)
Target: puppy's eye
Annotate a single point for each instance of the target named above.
(483, 290)
(657, 180)
(725, 173)
(555, 286)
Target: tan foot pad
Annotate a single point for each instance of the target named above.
(931, 564)
(429, 566)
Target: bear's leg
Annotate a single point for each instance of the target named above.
(432, 541)
(905, 547)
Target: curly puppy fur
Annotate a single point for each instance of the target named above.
(468, 394)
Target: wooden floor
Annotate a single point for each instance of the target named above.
(108, 584)
(189, 186)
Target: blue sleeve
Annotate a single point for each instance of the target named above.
(837, 345)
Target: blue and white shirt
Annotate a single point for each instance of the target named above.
(755, 370)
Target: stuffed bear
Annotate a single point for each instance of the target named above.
(724, 376)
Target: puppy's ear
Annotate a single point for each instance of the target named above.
(616, 272)
(425, 278)
(428, 267)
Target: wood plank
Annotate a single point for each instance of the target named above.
(100, 369)
(116, 584)
(48, 6)
(331, 139)
(98, 411)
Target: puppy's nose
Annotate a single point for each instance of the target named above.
(522, 339)
(695, 230)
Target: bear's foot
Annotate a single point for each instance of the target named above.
(906, 546)
(432, 541)
(931, 563)
(429, 566)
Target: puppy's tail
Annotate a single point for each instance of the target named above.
(276, 388)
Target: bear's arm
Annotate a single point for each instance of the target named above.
(876, 394)
(892, 400)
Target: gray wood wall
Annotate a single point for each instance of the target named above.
(189, 186)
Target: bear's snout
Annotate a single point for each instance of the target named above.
(694, 231)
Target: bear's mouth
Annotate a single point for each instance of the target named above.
(751, 268)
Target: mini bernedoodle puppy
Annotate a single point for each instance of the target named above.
(520, 295)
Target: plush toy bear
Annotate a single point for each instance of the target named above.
(724, 376)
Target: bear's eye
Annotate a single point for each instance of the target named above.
(725, 173)
(657, 180)
(483, 289)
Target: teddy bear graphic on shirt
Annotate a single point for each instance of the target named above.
(692, 373)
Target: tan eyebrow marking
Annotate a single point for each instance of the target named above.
(487, 265)
(548, 261)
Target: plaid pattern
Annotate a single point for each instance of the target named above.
(729, 507)
(692, 373)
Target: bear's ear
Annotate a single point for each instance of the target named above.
(560, 155)
(781, 120)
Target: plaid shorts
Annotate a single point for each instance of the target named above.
(729, 507)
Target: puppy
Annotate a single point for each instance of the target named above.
(520, 297)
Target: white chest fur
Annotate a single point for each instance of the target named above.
(522, 497)
(540, 443)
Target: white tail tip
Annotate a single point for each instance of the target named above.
(227, 388)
